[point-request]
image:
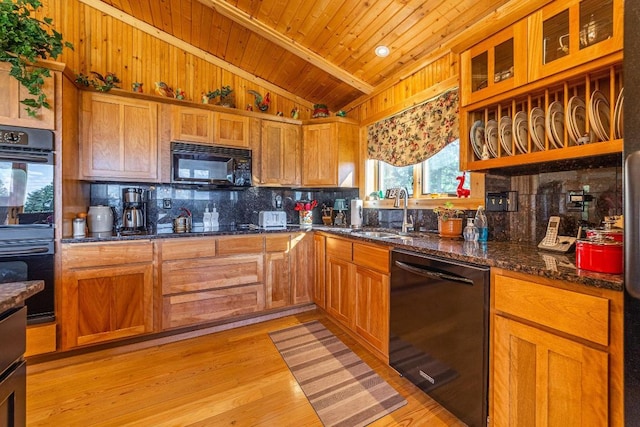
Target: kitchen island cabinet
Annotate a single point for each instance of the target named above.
(119, 138)
(106, 292)
(556, 352)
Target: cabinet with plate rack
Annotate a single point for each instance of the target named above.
(575, 117)
(570, 105)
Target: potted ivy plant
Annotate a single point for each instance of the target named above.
(26, 39)
(449, 220)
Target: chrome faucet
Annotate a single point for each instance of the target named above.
(405, 224)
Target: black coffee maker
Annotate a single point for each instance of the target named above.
(134, 210)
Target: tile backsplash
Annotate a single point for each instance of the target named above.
(235, 206)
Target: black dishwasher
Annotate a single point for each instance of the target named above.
(439, 331)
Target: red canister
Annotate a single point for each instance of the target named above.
(604, 233)
(601, 255)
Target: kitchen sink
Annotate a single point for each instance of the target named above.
(380, 235)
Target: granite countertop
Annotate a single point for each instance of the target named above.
(511, 256)
(13, 294)
(524, 258)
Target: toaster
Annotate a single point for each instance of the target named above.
(272, 220)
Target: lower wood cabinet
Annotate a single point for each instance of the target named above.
(303, 267)
(319, 286)
(357, 290)
(556, 353)
(107, 291)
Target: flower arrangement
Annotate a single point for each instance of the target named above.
(306, 206)
(447, 211)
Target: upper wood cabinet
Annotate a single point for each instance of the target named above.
(279, 154)
(119, 138)
(107, 292)
(232, 130)
(330, 155)
(201, 125)
(192, 124)
(13, 113)
(496, 64)
(566, 34)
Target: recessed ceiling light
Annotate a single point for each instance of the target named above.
(382, 51)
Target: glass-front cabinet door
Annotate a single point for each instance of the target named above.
(496, 64)
(570, 33)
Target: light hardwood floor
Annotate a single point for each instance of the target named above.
(230, 378)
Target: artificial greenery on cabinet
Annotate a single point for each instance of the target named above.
(26, 39)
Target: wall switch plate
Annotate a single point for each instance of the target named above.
(166, 203)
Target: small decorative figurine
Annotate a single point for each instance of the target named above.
(204, 97)
(107, 82)
(462, 192)
(320, 110)
(163, 89)
(136, 87)
(262, 104)
(249, 107)
(295, 113)
(180, 94)
(341, 113)
(280, 114)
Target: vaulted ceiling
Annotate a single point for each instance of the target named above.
(319, 50)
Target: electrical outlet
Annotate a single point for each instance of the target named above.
(166, 203)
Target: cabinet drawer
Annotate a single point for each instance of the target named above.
(240, 245)
(188, 248)
(277, 243)
(373, 257)
(200, 307)
(338, 248)
(581, 315)
(106, 253)
(210, 273)
(12, 330)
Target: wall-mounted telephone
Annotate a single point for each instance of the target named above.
(553, 242)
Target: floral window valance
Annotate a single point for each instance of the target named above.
(416, 134)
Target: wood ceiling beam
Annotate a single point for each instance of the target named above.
(245, 20)
(199, 53)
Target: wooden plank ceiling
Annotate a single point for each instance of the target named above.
(321, 51)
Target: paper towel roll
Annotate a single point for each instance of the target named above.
(356, 213)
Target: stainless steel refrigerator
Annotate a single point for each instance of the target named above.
(632, 212)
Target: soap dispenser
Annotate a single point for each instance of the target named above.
(214, 219)
(206, 219)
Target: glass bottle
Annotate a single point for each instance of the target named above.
(470, 232)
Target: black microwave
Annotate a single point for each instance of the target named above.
(210, 165)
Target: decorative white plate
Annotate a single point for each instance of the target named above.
(536, 127)
(557, 128)
(554, 108)
(520, 131)
(576, 119)
(491, 136)
(505, 134)
(617, 114)
(476, 135)
(599, 116)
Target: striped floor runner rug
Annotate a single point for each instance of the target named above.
(343, 390)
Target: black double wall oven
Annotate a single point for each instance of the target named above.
(26, 214)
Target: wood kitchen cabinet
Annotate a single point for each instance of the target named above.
(279, 154)
(357, 290)
(107, 291)
(319, 282)
(13, 113)
(192, 124)
(277, 261)
(563, 35)
(330, 154)
(556, 353)
(494, 65)
(232, 130)
(119, 138)
(207, 279)
(303, 267)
